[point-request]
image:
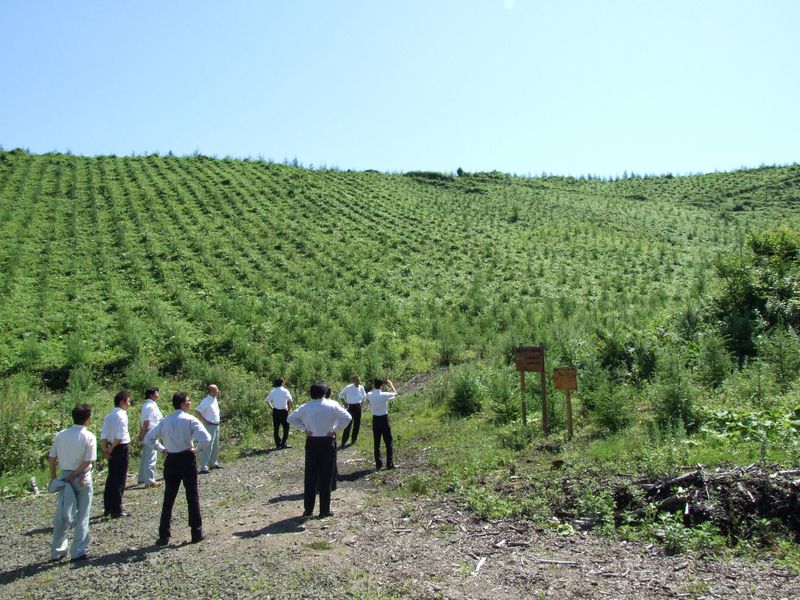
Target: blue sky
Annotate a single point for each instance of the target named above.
(521, 86)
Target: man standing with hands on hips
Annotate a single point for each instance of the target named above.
(178, 432)
(353, 396)
(115, 438)
(208, 413)
(280, 399)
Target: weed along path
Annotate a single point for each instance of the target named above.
(381, 543)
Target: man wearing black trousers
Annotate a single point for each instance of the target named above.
(353, 395)
(381, 428)
(280, 399)
(115, 439)
(177, 433)
(320, 419)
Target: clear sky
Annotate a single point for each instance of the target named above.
(521, 86)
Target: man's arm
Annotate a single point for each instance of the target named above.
(79, 472)
(143, 431)
(52, 460)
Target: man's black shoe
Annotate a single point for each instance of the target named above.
(204, 472)
(196, 539)
(325, 515)
(217, 466)
(162, 541)
(391, 466)
(124, 513)
(80, 558)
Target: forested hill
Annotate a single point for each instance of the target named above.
(175, 264)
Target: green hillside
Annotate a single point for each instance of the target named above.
(124, 270)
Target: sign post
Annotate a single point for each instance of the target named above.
(531, 359)
(566, 380)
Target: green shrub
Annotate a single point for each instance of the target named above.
(673, 397)
(466, 393)
(714, 363)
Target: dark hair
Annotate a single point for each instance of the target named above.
(327, 391)
(317, 390)
(179, 398)
(378, 383)
(122, 395)
(148, 393)
(278, 382)
(81, 414)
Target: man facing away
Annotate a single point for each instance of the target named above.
(381, 428)
(208, 413)
(320, 419)
(116, 439)
(178, 432)
(74, 450)
(280, 399)
(151, 415)
(353, 396)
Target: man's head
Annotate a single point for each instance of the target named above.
(81, 414)
(378, 383)
(122, 399)
(356, 380)
(213, 391)
(151, 394)
(317, 390)
(278, 382)
(181, 400)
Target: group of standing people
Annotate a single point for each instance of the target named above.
(181, 436)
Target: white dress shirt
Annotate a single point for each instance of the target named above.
(320, 417)
(177, 432)
(150, 413)
(379, 402)
(353, 394)
(279, 398)
(73, 446)
(209, 408)
(115, 427)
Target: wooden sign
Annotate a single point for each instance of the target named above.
(565, 379)
(530, 358)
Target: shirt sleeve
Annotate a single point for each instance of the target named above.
(122, 427)
(104, 429)
(200, 434)
(151, 437)
(53, 451)
(296, 420)
(90, 453)
(342, 394)
(342, 418)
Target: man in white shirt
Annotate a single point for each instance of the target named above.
(208, 413)
(381, 428)
(280, 399)
(178, 433)
(150, 417)
(320, 419)
(74, 450)
(115, 439)
(353, 396)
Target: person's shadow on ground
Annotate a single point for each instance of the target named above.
(291, 525)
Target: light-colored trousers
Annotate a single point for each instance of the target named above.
(209, 456)
(83, 498)
(147, 465)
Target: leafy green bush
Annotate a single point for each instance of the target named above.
(673, 396)
(466, 393)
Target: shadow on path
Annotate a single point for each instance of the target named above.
(285, 498)
(355, 475)
(292, 525)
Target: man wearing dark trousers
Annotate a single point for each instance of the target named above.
(177, 433)
(280, 400)
(353, 396)
(381, 428)
(115, 438)
(320, 419)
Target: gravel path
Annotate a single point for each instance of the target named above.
(381, 543)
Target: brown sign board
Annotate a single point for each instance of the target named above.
(530, 359)
(565, 379)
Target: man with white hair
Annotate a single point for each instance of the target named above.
(208, 413)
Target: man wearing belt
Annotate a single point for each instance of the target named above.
(320, 419)
(177, 433)
(280, 399)
(74, 449)
(381, 428)
(353, 395)
(208, 413)
(151, 415)
(115, 438)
